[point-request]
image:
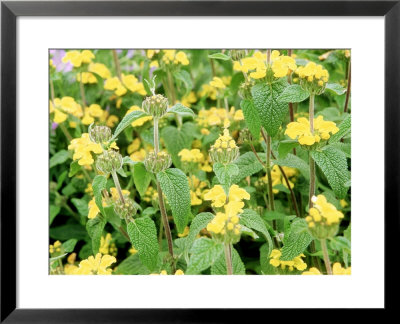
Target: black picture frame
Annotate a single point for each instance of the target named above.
(11, 10)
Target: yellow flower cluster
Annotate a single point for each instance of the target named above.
(197, 190)
(64, 106)
(301, 130)
(150, 194)
(107, 246)
(93, 266)
(225, 141)
(277, 177)
(55, 247)
(281, 65)
(337, 269)
(193, 155)
(100, 69)
(313, 72)
(87, 78)
(296, 263)
(77, 58)
(94, 210)
(172, 57)
(178, 272)
(217, 83)
(323, 212)
(189, 99)
(120, 87)
(218, 116)
(92, 112)
(83, 147)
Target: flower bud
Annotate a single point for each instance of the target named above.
(109, 161)
(155, 105)
(245, 136)
(99, 134)
(237, 55)
(224, 149)
(155, 163)
(126, 209)
(245, 89)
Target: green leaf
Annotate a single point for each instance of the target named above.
(335, 88)
(143, 235)
(141, 178)
(198, 223)
(253, 220)
(182, 110)
(129, 161)
(204, 253)
(54, 211)
(99, 184)
(251, 117)
(126, 121)
(59, 158)
(344, 147)
(65, 232)
(225, 173)
(248, 165)
(296, 241)
(111, 216)
(220, 56)
(175, 186)
(95, 227)
(81, 205)
(286, 146)
(266, 267)
(293, 161)
(271, 111)
(69, 245)
(74, 168)
(175, 140)
(132, 266)
(344, 130)
(293, 93)
(219, 267)
(333, 164)
(184, 77)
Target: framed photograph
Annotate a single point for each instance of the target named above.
(159, 158)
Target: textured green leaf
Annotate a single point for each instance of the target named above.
(65, 232)
(333, 164)
(74, 168)
(286, 146)
(344, 147)
(184, 77)
(219, 267)
(266, 267)
(344, 130)
(293, 93)
(132, 266)
(143, 235)
(251, 117)
(141, 178)
(69, 245)
(293, 161)
(253, 220)
(95, 229)
(271, 111)
(54, 211)
(126, 121)
(181, 110)
(59, 158)
(248, 165)
(175, 141)
(225, 173)
(220, 56)
(175, 186)
(296, 241)
(204, 253)
(198, 223)
(81, 205)
(111, 216)
(99, 184)
(335, 88)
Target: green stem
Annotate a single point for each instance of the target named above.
(117, 66)
(326, 257)
(228, 258)
(311, 161)
(82, 89)
(65, 131)
(346, 105)
(118, 186)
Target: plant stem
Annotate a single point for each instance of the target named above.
(291, 113)
(311, 161)
(82, 89)
(326, 257)
(270, 190)
(118, 186)
(65, 131)
(124, 233)
(228, 258)
(117, 66)
(255, 153)
(163, 211)
(346, 104)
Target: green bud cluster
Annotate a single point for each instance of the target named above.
(245, 136)
(99, 134)
(245, 89)
(155, 163)
(155, 105)
(237, 55)
(322, 231)
(109, 161)
(313, 87)
(125, 210)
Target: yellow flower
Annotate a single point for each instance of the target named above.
(59, 116)
(95, 110)
(277, 177)
(171, 57)
(182, 58)
(105, 244)
(217, 83)
(83, 147)
(238, 115)
(312, 72)
(150, 53)
(193, 155)
(138, 156)
(77, 58)
(112, 120)
(100, 69)
(312, 271)
(188, 100)
(185, 232)
(133, 84)
(295, 263)
(337, 269)
(301, 130)
(140, 121)
(93, 209)
(132, 250)
(282, 65)
(87, 77)
(179, 272)
(96, 265)
(71, 258)
(237, 194)
(217, 196)
(323, 212)
(208, 91)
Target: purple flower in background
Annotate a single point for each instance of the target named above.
(130, 53)
(57, 56)
(54, 126)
